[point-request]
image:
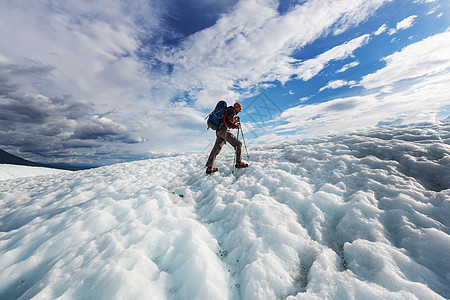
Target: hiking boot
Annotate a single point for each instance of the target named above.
(211, 170)
(241, 165)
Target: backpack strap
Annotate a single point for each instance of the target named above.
(224, 119)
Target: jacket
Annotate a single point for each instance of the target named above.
(229, 119)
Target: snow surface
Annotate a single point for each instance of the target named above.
(8, 171)
(356, 216)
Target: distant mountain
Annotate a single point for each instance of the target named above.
(8, 158)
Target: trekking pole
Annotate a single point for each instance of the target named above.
(234, 160)
(243, 139)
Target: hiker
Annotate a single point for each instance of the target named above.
(223, 134)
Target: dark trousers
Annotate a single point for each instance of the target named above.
(222, 136)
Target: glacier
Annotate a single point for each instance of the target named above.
(360, 215)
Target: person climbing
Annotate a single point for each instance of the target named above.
(223, 134)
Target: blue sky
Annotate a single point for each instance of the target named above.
(98, 82)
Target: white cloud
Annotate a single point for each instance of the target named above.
(91, 45)
(310, 68)
(380, 30)
(348, 66)
(404, 24)
(88, 50)
(420, 102)
(427, 57)
(424, 1)
(433, 10)
(244, 52)
(337, 84)
(412, 101)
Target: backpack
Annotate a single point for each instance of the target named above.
(215, 117)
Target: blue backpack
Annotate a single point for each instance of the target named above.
(215, 117)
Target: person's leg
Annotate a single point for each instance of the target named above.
(237, 145)
(215, 150)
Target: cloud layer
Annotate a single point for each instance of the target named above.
(112, 80)
(242, 53)
(425, 58)
(417, 76)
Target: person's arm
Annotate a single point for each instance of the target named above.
(229, 118)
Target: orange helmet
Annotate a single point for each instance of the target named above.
(237, 104)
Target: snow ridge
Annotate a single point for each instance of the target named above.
(361, 215)
(8, 171)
